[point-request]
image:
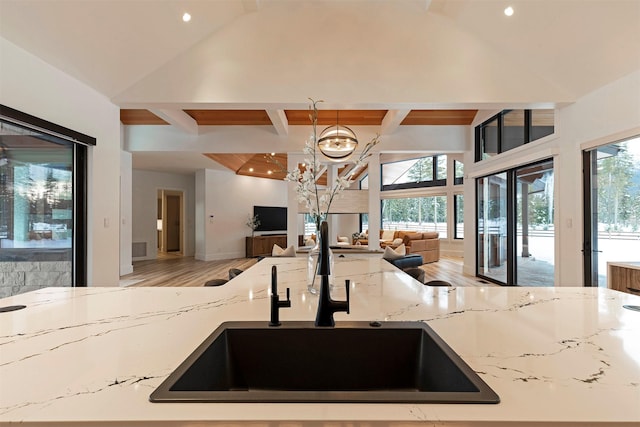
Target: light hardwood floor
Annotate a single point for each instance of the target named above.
(176, 270)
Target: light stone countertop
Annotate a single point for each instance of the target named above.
(93, 355)
(627, 264)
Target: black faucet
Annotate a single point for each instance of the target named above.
(326, 305)
(275, 299)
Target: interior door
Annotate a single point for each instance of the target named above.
(173, 223)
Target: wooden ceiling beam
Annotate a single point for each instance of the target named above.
(140, 117)
(439, 117)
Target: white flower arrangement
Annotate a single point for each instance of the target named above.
(253, 222)
(318, 200)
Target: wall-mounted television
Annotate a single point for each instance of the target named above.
(272, 218)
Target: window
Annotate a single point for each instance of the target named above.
(363, 184)
(416, 213)
(611, 207)
(364, 222)
(415, 173)
(541, 123)
(42, 203)
(309, 224)
(510, 129)
(441, 168)
(487, 138)
(458, 209)
(458, 177)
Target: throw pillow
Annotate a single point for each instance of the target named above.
(391, 254)
(387, 235)
(279, 252)
(309, 242)
(396, 242)
(343, 239)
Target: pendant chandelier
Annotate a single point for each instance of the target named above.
(337, 142)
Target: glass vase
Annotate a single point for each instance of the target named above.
(313, 280)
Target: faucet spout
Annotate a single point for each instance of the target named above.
(326, 305)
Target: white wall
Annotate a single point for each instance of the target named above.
(230, 198)
(126, 214)
(603, 116)
(145, 186)
(32, 86)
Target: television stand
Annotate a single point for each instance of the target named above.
(263, 245)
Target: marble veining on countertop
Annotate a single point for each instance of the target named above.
(93, 355)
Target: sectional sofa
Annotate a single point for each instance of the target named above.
(425, 243)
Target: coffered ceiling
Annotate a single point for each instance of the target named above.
(240, 73)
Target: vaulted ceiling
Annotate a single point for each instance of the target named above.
(242, 67)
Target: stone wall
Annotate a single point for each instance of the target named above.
(24, 276)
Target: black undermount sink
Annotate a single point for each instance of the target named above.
(391, 362)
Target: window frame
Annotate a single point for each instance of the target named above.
(434, 182)
(80, 143)
(458, 180)
(528, 125)
(455, 216)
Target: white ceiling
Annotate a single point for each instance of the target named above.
(388, 54)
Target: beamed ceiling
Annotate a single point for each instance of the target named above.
(235, 81)
(261, 164)
(301, 117)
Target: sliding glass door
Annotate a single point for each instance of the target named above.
(516, 236)
(611, 207)
(535, 241)
(492, 227)
(42, 205)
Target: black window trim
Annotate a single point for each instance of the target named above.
(35, 123)
(457, 180)
(455, 216)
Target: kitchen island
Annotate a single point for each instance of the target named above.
(92, 356)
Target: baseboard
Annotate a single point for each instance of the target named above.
(469, 270)
(219, 256)
(126, 269)
(452, 253)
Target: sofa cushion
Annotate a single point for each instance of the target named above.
(391, 254)
(408, 261)
(279, 252)
(430, 235)
(409, 236)
(387, 235)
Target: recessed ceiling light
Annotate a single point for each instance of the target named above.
(508, 11)
(269, 172)
(186, 17)
(250, 169)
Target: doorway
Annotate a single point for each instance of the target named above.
(611, 207)
(170, 221)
